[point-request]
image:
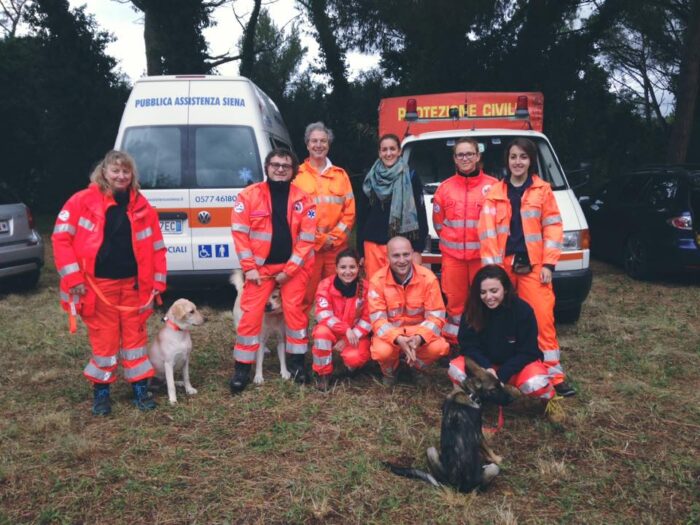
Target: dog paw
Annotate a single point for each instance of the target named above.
(258, 380)
(285, 374)
(172, 402)
(190, 391)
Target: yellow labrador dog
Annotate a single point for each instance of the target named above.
(273, 323)
(172, 347)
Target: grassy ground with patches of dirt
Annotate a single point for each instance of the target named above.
(281, 453)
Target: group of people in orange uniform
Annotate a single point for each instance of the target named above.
(499, 240)
(494, 303)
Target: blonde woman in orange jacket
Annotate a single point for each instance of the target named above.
(520, 228)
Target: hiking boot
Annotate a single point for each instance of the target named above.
(554, 411)
(101, 403)
(297, 368)
(323, 382)
(564, 389)
(143, 399)
(240, 378)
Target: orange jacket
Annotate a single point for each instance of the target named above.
(251, 226)
(78, 235)
(456, 207)
(392, 306)
(340, 313)
(542, 223)
(335, 202)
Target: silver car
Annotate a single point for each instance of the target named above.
(21, 246)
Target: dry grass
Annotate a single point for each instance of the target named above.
(288, 454)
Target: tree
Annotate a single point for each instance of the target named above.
(11, 14)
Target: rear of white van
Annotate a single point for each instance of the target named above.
(197, 141)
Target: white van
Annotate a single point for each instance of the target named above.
(429, 125)
(197, 141)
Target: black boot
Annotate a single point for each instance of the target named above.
(143, 399)
(240, 378)
(297, 368)
(101, 403)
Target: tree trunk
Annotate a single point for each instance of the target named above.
(687, 94)
(248, 48)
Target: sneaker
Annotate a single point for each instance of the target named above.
(240, 378)
(143, 399)
(564, 389)
(554, 410)
(101, 402)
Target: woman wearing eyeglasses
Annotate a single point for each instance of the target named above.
(391, 204)
(456, 207)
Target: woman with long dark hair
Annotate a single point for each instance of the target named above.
(499, 332)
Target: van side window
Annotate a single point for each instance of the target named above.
(156, 151)
(226, 157)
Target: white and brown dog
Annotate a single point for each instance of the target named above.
(273, 323)
(171, 349)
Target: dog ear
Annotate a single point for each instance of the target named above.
(178, 310)
(476, 370)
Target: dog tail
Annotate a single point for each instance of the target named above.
(413, 473)
(236, 279)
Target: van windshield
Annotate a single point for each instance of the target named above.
(169, 157)
(432, 160)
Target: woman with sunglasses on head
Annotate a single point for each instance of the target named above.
(456, 207)
(520, 228)
(391, 204)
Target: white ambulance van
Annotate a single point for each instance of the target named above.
(197, 141)
(429, 125)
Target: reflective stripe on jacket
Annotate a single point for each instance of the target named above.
(456, 207)
(339, 313)
(332, 193)
(392, 306)
(78, 235)
(251, 227)
(542, 224)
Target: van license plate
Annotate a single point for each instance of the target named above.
(4, 226)
(171, 227)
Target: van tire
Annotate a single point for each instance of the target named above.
(568, 316)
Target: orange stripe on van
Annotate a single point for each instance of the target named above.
(220, 217)
(570, 256)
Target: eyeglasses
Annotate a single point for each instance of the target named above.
(466, 156)
(277, 166)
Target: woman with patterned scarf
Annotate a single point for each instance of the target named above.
(391, 203)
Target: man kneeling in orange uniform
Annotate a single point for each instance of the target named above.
(407, 313)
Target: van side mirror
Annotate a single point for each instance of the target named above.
(580, 176)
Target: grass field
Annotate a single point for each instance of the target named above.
(281, 453)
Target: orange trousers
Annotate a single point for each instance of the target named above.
(541, 298)
(253, 302)
(324, 339)
(387, 355)
(324, 265)
(456, 279)
(115, 334)
(375, 258)
(533, 380)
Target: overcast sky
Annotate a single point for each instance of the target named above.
(127, 26)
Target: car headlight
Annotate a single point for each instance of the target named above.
(576, 240)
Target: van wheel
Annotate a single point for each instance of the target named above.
(636, 259)
(26, 281)
(568, 316)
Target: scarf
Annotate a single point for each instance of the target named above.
(346, 290)
(394, 183)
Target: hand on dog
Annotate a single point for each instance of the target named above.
(353, 340)
(492, 372)
(253, 276)
(281, 278)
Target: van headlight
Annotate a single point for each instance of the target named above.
(576, 240)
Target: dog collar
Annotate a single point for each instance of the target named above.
(172, 325)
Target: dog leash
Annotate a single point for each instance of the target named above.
(499, 425)
(72, 314)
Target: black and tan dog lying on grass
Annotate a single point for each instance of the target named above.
(465, 462)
